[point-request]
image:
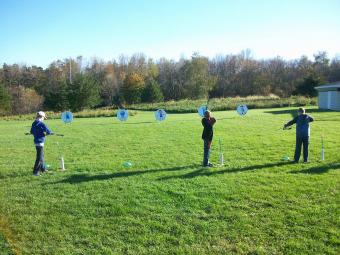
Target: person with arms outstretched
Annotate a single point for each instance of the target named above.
(302, 133)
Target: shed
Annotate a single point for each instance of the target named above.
(329, 96)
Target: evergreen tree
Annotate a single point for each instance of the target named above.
(307, 86)
(83, 92)
(152, 92)
(57, 98)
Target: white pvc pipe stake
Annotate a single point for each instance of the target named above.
(221, 159)
(62, 165)
(322, 149)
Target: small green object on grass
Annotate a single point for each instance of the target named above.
(127, 164)
(286, 158)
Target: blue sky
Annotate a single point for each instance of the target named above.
(40, 31)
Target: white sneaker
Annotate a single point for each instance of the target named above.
(36, 174)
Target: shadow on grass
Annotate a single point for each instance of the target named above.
(317, 169)
(135, 123)
(203, 171)
(118, 122)
(229, 118)
(199, 171)
(79, 178)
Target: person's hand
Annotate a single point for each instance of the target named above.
(284, 126)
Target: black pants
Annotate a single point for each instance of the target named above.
(299, 142)
(39, 162)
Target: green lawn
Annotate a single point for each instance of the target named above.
(166, 203)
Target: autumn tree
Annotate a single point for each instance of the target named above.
(133, 88)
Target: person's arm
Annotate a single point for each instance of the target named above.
(310, 118)
(213, 121)
(289, 123)
(47, 130)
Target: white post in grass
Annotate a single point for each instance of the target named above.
(221, 159)
(221, 153)
(62, 164)
(322, 149)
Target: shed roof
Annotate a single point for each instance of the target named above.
(329, 86)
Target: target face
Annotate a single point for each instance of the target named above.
(242, 110)
(122, 115)
(202, 110)
(160, 115)
(67, 117)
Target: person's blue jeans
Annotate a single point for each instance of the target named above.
(299, 142)
(207, 145)
(39, 161)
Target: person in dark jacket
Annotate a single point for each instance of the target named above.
(39, 130)
(207, 136)
(302, 133)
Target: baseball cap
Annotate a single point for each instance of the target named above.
(41, 114)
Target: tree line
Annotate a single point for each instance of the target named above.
(75, 84)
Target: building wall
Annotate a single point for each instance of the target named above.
(329, 100)
(335, 100)
(323, 98)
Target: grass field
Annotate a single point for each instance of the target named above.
(166, 203)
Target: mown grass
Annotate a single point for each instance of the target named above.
(166, 203)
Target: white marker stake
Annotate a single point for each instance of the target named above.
(62, 165)
(221, 159)
(221, 154)
(322, 149)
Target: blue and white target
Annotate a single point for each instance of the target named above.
(122, 114)
(201, 111)
(242, 110)
(67, 117)
(160, 115)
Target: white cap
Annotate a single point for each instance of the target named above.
(41, 114)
